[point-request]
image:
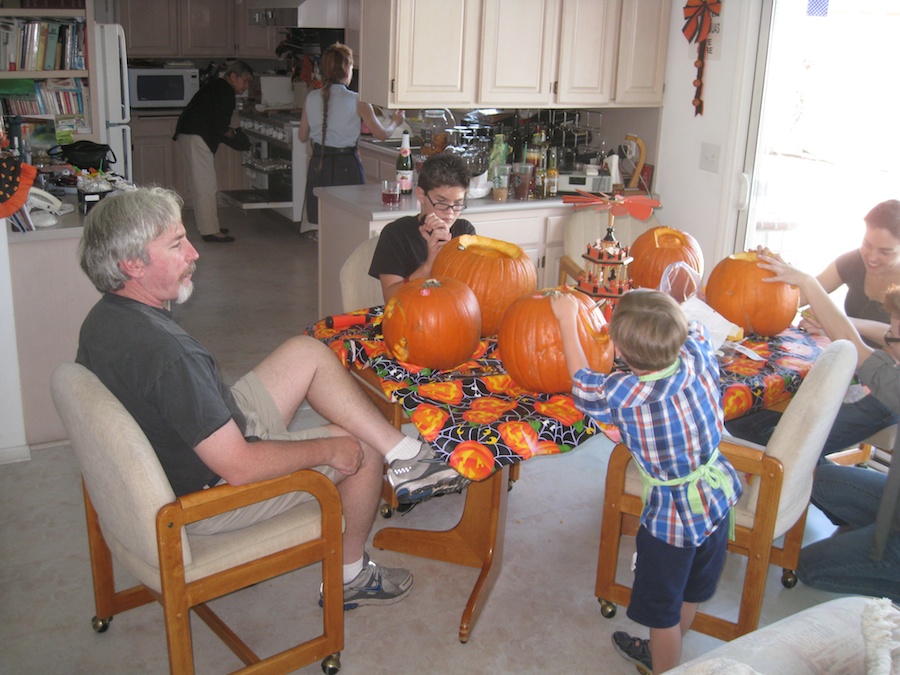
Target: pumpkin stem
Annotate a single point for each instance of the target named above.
(431, 283)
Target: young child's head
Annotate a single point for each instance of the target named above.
(441, 188)
(648, 328)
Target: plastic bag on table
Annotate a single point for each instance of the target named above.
(680, 280)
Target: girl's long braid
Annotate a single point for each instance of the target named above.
(326, 94)
(336, 60)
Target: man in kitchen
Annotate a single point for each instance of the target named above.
(202, 126)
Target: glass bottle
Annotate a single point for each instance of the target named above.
(552, 175)
(540, 175)
(405, 166)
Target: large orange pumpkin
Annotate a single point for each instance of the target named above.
(736, 290)
(656, 249)
(530, 341)
(433, 323)
(497, 271)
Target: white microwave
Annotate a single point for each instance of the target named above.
(162, 87)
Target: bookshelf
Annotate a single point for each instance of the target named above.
(78, 77)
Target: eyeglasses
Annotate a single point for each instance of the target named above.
(441, 207)
(890, 339)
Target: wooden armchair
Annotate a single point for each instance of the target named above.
(133, 515)
(777, 486)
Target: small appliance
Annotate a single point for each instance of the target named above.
(162, 87)
(570, 182)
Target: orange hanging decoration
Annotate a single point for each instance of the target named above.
(698, 16)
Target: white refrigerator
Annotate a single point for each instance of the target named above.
(111, 94)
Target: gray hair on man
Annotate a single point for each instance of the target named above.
(119, 228)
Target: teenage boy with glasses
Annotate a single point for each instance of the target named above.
(408, 246)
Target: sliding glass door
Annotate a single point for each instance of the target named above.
(824, 142)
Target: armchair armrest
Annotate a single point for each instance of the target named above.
(747, 457)
(568, 267)
(206, 503)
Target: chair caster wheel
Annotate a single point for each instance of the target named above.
(332, 664)
(100, 625)
(788, 578)
(385, 511)
(607, 608)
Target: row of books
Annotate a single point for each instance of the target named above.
(54, 96)
(46, 44)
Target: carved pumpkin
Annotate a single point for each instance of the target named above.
(530, 341)
(497, 271)
(736, 290)
(656, 249)
(433, 323)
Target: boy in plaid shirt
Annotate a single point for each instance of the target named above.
(669, 411)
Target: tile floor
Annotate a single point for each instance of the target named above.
(541, 617)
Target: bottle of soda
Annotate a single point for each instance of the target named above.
(405, 166)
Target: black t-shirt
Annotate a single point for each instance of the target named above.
(208, 113)
(857, 304)
(401, 249)
(166, 379)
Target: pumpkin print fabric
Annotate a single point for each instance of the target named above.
(479, 420)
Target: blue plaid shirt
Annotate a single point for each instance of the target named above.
(672, 424)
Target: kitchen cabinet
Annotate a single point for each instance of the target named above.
(379, 163)
(191, 28)
(151, 27)
(513, 53)
(643, 41)
(565, 53)
(419, 53)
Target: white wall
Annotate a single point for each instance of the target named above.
(12, 426)
(695, 200)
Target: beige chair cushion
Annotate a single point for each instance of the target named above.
(358, 289)
(127, 487)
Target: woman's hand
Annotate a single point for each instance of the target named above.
(398, 118)
(782, 271)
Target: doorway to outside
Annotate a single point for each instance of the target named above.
(827, 144)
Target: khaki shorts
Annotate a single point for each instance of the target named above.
(263, 421)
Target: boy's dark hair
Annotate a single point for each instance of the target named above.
(648, 328)
(443, 170)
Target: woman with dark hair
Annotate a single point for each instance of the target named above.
(868, 272)
(331, 118)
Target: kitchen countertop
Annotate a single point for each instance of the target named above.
(364, 201)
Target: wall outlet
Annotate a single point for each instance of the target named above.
(709, 157)
(630, 148)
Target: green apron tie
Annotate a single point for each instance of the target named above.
(714, 476)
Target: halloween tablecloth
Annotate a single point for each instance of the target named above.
(479, 420)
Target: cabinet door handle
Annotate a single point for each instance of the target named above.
(392, 86)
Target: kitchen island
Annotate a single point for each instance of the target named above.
(348, 215)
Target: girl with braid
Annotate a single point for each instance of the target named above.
(331, 118)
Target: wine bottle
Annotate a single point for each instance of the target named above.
(552, 175)
(405, 166)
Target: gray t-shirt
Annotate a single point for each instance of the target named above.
(167, 380)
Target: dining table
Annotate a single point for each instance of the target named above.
(480, 422)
